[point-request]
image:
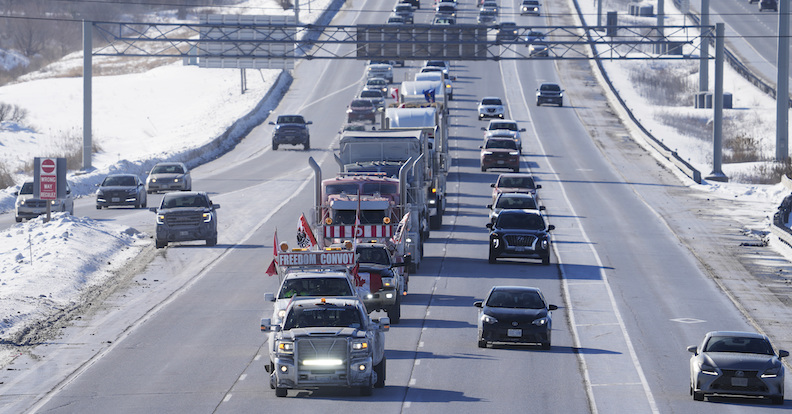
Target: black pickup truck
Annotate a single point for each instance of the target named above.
(291, 129)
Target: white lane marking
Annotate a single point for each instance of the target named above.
(420, 344)
(417, 362)
(597, 324)
(257, 357)
(227, 397)
(687, 320)
(600, 265)
(242, 377)
(407, 404)
(412, 382)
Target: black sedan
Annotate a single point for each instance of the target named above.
(515, 314)
(121, 190)
(519, 233)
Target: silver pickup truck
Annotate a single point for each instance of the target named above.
(327, 342)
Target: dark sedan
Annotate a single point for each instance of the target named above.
(515, 314)
(519, 233)
(121, 190)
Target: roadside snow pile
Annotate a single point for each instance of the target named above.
(46, 268)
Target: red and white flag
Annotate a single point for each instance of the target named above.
(305, 236)
(395, 93)
(272, 269)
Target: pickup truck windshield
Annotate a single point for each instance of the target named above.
(315, 287)
(323, 317)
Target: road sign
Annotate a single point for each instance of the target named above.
(48, 179)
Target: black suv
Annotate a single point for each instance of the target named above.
(291, 129)
(550, 93)
(186, 216)
(519, 233)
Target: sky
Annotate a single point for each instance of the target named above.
(159, 114)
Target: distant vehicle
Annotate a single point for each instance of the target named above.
(507, 32)
(538, 50)
(377, 83)
(121, 190)
(487, 17)
(387, 62)
(380, 70)
(291, 129)
(506, 134)
(532, 7)
(500, 153)
(443, 20)
(736, 364)
(446, 8)
(515, 183)
(361, 110)
(549, 93)
(426, 75)
(184, 217)
(415, 3)
(512, 201)
(166, 176)
(27, 207)
(534, 36)
(489, 5)
(309, 283)
(405, 10)
(444, 65)
(504, 125)
(375, 96)
(515, 314)
(396, 20)
(491, 107)
(519, 233)
(768, 5)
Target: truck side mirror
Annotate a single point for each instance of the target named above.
(542, 208)
(153, 209)
(492, 185)
(538, 186)
(269, 297)
(478, 304)
(266, 325)
(483, 129)
(551, 227)
(489, 206)
(271, 123)
(309, 123)
(782, 353)
(552, 307)
(407, 259)
(385, 323)
(489, 226)
(215, 206)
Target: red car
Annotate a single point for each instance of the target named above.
(500, 153)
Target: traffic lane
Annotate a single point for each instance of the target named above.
(670, 285)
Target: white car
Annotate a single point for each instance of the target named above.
(167, 176)
(27, 207)
(491, 107)
(531, 7)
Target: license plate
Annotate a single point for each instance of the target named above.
(515, 332)
(519, 248)
(115, 199)
(38, 211)
(184, 233)
(501, 161)
(739, 382)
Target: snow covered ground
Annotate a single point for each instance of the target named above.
(160, 114)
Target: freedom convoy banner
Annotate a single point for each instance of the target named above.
(316, 258)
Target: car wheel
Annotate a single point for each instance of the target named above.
(538, 103)
(307, 146)
(777, 400)
(211, 242)
(698, 396)
(492, 257)
(483, 169)
(545, 345)
(516, 169)
(394, 312)
(18, 219)
(381, 370)
(546, 260)
(160, 244)
(137, 204)
(482, 343)
(281, 392)
(145, 202)
(367, 390)
(560, 104)
(98, 207)
(274, 146)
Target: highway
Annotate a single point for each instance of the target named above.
(633, 287)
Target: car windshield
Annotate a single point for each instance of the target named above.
(511, 126)
(377, 82)
(361, 103)
(516, 299)
(520, 221)
(491, 101)
(501, 144)
(402, 8)
(184, 201)
(119, 181)
(377, 255)
(167, 169)
(509, 202)
(550, 87)
(522, 182)
(371, 94)
(738, 344)
(27, 188)
(381, 188)
(315, 287)
(291, 119)
(341, 189)
(324, 316)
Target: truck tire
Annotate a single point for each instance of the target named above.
(367, 390)
(546, 260)
(307, 146)
(160, 244)
(381, 370)
(492, 257)
(281, 392)
(274, 146)
(394, 312)
(211, 242)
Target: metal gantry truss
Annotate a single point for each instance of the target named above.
(267, 42)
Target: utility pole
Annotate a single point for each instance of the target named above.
(717, 130)
(87, 93)
(704, 49)
(782, 83)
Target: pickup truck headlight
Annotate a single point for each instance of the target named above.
(514, 153)
(55, 202)
(285, 347)
(487, 152)
(360, 345)
(207, 216)
(160, 219)
(388, 282)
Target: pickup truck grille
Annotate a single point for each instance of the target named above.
(322, 348)
(520, 240)
(35, 203)
(187, 219)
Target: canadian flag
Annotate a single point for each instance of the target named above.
(394, 93)
(272, 269)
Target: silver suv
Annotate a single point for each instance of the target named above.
(27, 207)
